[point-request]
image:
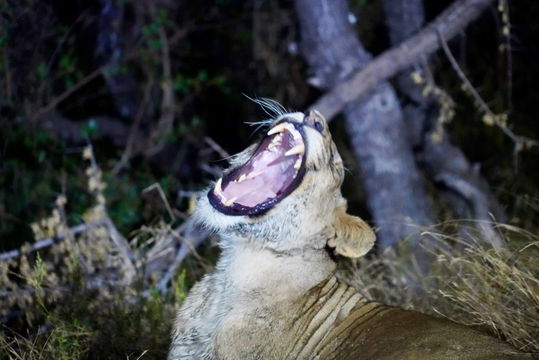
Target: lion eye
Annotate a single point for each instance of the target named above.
(318, 126)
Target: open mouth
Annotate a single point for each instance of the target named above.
(273, 171)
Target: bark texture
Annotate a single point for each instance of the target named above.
(394, 188)
(109, 51)
(459, 182)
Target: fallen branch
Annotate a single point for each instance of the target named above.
(72, 130)
(449, 23)
(41, 244)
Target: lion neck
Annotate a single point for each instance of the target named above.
(248, 269)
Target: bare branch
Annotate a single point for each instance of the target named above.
(453, 20)
(483, 106)
(216, 147)
(133, 147)
(57, 100)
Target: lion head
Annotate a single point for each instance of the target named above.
(283, 193)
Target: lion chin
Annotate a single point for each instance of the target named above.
(273, 294)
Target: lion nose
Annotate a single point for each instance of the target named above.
(309, 117)
(312, 117)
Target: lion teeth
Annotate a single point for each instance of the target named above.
(277, 129)
(291, 129)
(298, 149)
(218, 190)
(276, 141)
(296, 135)
(241, 178)
(297, 164)
(230, 201)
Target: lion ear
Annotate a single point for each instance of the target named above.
(353, 237)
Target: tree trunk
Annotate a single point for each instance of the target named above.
(459, 182)
(395, 191)
(109, 51)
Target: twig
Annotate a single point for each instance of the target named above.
(450, 22)
(182, 252)
(503, 8)
(52, 104)
(480, 102)
(8, 76)
(167, 101)
(94, 74)
(157, 186)
(216, 147)
(117, 238)
(192, 237)
(50, 241)
(520, 141)
(133, 132)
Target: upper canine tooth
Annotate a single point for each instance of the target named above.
(298, 149)
(218, 190)
(277, 129)
(230, 201)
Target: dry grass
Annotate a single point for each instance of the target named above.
(468, 282)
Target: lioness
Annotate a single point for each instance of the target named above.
(273, 293)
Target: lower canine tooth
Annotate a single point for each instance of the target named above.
(297, 164)
(230, 201)
(298, 149)
(241, 178)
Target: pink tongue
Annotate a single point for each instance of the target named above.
(276, 176)
(250, 192)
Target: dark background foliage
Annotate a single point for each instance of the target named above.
(219, 51)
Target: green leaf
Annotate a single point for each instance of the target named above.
(90, 129)
(41, 70)
(202, 76)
